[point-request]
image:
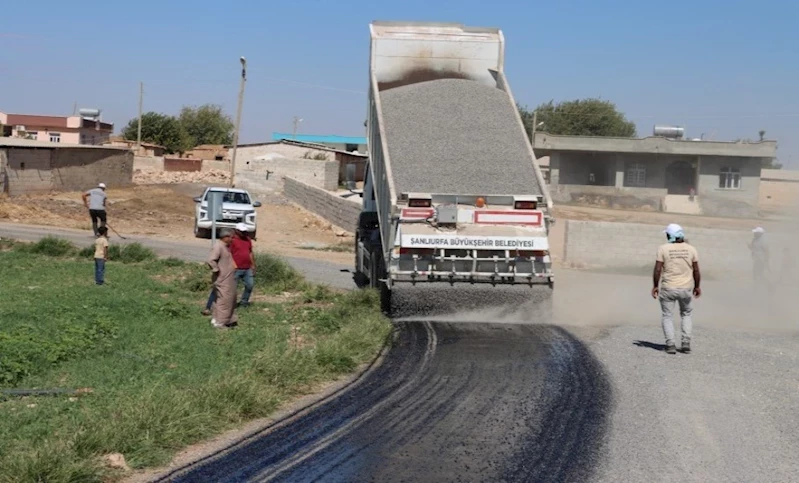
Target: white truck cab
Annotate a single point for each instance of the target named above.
(237, 207)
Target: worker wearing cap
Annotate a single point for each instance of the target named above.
(760, 256)
(243, 257)
(95, 200)
(676, 278)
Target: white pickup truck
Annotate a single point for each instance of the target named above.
(237, 207)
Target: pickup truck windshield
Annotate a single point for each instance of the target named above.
(240, 198)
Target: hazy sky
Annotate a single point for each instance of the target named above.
(723, 68)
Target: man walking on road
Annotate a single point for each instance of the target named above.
(241, 249)
(676, 279)
(94, 200)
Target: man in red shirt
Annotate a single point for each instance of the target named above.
(241, 249)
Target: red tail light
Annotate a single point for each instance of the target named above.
(419, 203)
(525, 205)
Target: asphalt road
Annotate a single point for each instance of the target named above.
(450, 402)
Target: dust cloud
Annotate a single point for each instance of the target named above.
(731, 299)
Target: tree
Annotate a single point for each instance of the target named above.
(581, 117)
(206, 124)
(762, 135)
(159, 129)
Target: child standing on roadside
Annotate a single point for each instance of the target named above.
(100, 255)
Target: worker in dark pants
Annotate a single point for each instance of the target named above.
(95, 200)
(210, 303)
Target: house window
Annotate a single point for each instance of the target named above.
(635, 175)
(32, 134)
(55, 137)
(730, 178)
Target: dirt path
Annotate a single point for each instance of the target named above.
(167, 211)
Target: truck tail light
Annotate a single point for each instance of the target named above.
(420, 203)
(525, 205)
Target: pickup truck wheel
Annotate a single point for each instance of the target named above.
(201, 232)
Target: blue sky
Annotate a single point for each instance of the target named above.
(723, 68)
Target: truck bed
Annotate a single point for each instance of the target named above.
(456, 136)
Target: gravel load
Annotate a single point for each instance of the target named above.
(456, 136)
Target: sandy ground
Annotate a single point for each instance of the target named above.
(167, 211)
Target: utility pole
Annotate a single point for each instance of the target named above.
(141, 102)
(238, 119)
(297, 121)
(532, 131)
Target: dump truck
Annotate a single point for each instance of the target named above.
(452, 193)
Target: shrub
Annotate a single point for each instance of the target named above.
(274, 274)
(50, 246)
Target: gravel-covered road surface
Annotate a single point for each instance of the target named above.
(450, 402)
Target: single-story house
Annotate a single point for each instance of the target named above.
(656, 173)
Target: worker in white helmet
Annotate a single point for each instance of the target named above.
(760, 257)
(676, 278)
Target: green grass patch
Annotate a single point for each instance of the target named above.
(157, 376)
(128, 253)
(50, 246)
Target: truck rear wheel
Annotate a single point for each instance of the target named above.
(385, 292)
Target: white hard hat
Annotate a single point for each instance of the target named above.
(673, 229)
(101, 185)
(241, 227)
(758, 230)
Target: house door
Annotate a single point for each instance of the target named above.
(680, 178)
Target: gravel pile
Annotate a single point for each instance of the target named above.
(455, 136)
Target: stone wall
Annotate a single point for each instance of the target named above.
(634, 245)
(341, 212)
(31, 170)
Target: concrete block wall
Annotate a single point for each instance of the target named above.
(341, 212)
(634, 245)
(31, 170)
(253, 176)
(28, 171)
(156, 163)
(76, 169)
(248, 153)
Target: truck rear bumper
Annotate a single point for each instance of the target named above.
(473, 278)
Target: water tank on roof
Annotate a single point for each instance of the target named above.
(671, 132)
(89, 113)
